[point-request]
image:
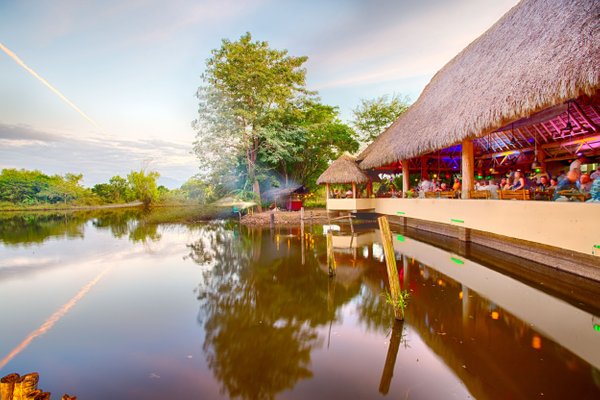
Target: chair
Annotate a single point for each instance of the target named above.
(480, 194)
(431, 195)
(522, 194)
(447, 195)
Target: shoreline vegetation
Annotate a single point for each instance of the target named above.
(181, 213)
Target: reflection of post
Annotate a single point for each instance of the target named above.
(330, 306)
(302, 238)
(390, 359)
(390, 262)
(405, 270)
(330, 255)
(465, 305)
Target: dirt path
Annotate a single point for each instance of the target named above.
(316, 216)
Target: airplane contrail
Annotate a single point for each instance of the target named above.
(54, 318)
(45, 82)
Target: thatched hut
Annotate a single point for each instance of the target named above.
(344, 170)
(540, 54)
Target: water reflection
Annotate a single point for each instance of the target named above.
(265, 320)
(260, 304)
(259, 309)
(36, 228)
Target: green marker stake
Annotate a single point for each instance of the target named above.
(460, 221)
(400, 238)
(400, 213)
(597, 246)
(457, 260)
(597, 328)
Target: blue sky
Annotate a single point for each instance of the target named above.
(133, 67)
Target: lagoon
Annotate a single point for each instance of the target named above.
(104, 304)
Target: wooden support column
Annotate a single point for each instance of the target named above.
(369, 188)
(405, 178)
(353, 190)
(327, 191)
(468, 167)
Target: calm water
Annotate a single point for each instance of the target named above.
(107, 307)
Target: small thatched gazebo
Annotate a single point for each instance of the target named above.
(344, 170)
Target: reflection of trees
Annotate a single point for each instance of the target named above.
(23, 228)
(28, 228)
(260, 307)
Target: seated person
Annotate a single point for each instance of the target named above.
(595, 192)
(457, 186)
(596, 174)
(443, 188)
(553, 184)
(585, 183)
(349, 194)
(543, 185)
(520, 182)
(493, 188)
(426, 185)
(569, 183)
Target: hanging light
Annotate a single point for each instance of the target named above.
(569, 127)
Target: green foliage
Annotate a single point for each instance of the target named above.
(372, 117)
(143, 185)
(399, 302)
(25, 187)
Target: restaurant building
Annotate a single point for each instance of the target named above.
(524, 95)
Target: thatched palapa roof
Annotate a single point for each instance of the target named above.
(343, 170)
(539, 54)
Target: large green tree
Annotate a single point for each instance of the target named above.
(305, 139)
(247, 85)
(373, 116)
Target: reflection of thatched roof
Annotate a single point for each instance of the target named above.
(539, 54)
(343, 170)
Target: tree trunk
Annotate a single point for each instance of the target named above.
(251, 158)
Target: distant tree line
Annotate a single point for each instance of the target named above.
(29, 188)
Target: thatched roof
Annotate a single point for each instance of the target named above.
(343, 170)
(539, 54)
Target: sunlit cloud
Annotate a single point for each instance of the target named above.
(54, 318)
(57, 92)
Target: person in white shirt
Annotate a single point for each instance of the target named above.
(493, 188)
(596, 174)
(576, 165)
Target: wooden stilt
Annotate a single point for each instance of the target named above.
(390, 262)
(468, 168)
(405, 178)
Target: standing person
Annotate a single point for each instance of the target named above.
(576, 165)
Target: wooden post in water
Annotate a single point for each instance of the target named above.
(330, 255)
(390, 262)
(302, 218)
(390, 359)
(272, 220)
